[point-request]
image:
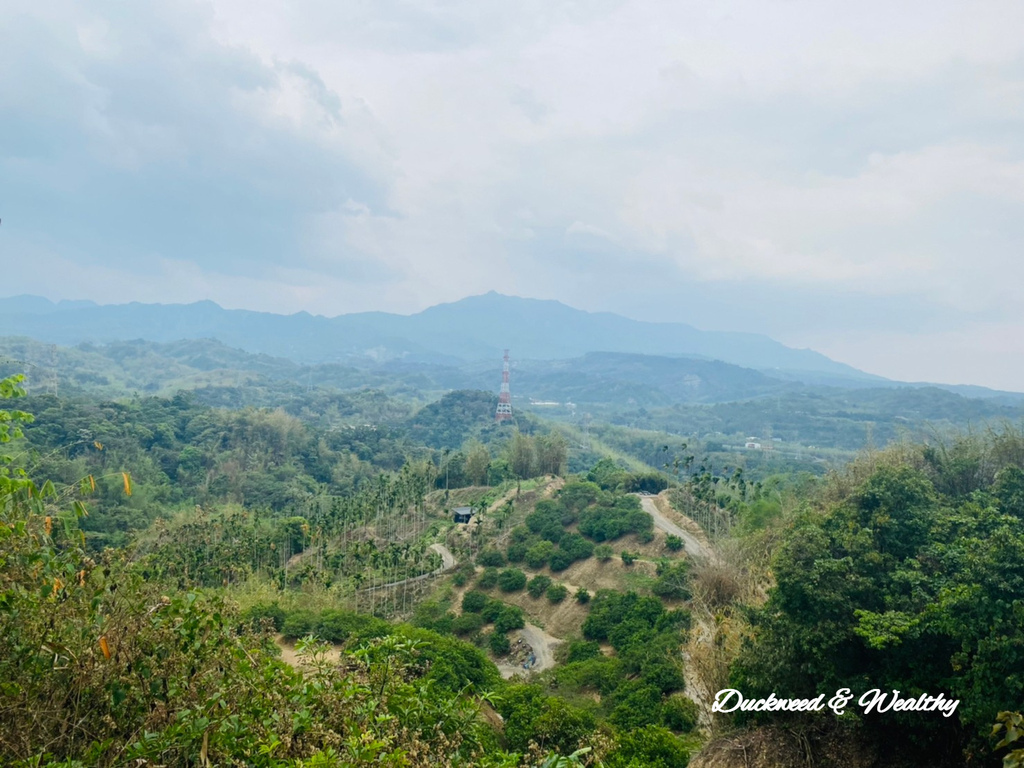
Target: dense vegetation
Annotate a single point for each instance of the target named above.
(167, 540)
(907, 575)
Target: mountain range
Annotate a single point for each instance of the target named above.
(559, 353)
(474, 329)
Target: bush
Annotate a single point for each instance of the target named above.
(474, 602)
(581, 650)
(538, 585)
(299, 624)
(511, 580)
(491, 611)
(488, 579)
(680, 713)
(499, 643)
(262, 616)
(637, 705)
(604, 552)
(614, 518)
(576, 546)
(582, 596)
(511, 617)
(557, 593)
(430, 614)
(673, 543)
(560, 560)
(651, 747)
(490, 557)
(537, 555)
(467, 623)
(546, 520)
(673, 581)
(334, 626)
(517, 551)
(628, 558)
(645, 536)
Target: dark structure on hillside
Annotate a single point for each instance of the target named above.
(463, 514)
(504, 412)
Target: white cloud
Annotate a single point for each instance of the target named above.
(400, 153)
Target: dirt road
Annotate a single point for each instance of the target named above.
(694, 547)
(448, 562)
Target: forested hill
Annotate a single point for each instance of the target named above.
(476, 328)
(687, 397)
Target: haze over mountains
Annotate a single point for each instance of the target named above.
(561, 353)
(473, 329)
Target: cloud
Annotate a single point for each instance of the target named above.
(808, 170)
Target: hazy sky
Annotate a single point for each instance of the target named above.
(845, 176)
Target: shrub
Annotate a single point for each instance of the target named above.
(499, 643)
(262, 615)
(628, 558)
(511, 617)
(491, 610)
(467, 623)
(511, 580)
(517, 551)
(680, 713)
(430, 614)
(645, 536)
(637, 705)
(673, 581)
(582, 596)
(673, 543)
(474, 602)
(650, 746)
(299, 624)
(546, 520)
(490, 557)
(576, 546)
(538, 585)
(557, 593)
(537, 555)
(581, 650)
(488, 579)
(560, 560)
(604, 552)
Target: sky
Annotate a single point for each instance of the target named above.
(842, 176)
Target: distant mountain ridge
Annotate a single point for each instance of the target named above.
(472, 329)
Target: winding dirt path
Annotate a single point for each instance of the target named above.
(694, 547)
(703, 623)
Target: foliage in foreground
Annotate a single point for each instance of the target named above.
(98, 667)
(910, 577)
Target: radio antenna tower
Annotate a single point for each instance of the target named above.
(504, 412)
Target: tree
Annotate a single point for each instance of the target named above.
(522, 457)
(511, 580)
(478, 459)
(552, 453)
(556, 593)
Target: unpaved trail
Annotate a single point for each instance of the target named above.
(448, 560)
(703, 623)
(543, 646)
(694, 546)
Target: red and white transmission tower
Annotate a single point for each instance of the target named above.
(504, 412)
